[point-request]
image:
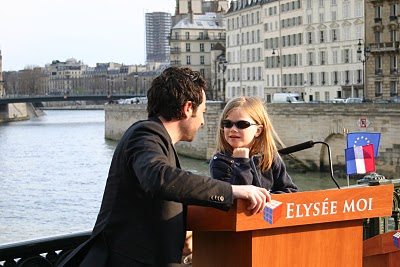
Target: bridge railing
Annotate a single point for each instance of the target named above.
(48, 252)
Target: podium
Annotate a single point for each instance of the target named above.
(304, 229)
(380, 251)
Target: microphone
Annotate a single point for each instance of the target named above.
(306, 145)
(296, 148)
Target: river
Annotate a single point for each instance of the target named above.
(53, 171)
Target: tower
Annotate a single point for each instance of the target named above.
(158, 26)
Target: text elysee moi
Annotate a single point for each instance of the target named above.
(327, 207)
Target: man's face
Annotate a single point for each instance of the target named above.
(194, 122)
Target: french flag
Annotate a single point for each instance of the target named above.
(360, 159)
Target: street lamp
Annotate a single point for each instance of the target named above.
(222, 63)
(363, 56)
(136, 84)
(278, 57)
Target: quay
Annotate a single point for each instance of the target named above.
(295, 124)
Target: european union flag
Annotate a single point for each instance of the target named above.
(363, 139)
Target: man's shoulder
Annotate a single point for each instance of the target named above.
(150, 124)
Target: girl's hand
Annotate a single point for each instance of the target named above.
(241, 152)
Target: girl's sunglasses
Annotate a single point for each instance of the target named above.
(239, 124)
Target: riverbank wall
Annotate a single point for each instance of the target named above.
(294, 124)
(15, 112)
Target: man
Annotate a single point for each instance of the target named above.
(142, 219)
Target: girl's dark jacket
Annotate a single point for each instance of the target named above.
(244, 171)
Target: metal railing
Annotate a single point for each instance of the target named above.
(48, 252)
(44, 252)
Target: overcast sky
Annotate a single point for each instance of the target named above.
(35, 32)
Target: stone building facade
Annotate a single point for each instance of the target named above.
(382, 48)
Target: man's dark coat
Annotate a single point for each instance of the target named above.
(143, 212)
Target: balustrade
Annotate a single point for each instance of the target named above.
(49, 252)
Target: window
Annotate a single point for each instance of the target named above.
(393, 65)
(393, 88)
(378, 12)
(335, 35)
(187, 47)
(359, 78)
(378, 66)
(311, 78)
(309, 37)
(378, 88)
(393, 10)
(323, 76)
(201, 35)
(346, 53)
(393, 36)
(346, 77)
(187, 35)
(346, 8)
(346, 33)
(358, 10)
(377, 37)
(203, 72)
(309, 19)
(335, 77)
(188, 60)
(322, 57)
(310, 58)
(321, 17)
(201, 47)
(202, 60)
(322, 37)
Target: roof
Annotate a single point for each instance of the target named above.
(203, 21)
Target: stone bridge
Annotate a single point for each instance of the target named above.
(294, 123)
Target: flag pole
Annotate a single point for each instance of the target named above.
(348, 180)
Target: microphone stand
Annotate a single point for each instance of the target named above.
(330, 161)
(306, 145)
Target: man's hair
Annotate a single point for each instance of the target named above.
(170, 91)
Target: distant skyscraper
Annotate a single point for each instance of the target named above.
(158, 26)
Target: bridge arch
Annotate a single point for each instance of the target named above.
(337, 143)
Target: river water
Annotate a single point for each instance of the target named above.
(53, 171)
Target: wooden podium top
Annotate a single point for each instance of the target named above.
(300, 208)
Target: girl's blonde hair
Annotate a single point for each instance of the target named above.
(264, 144)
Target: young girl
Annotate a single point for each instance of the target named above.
(246, 150)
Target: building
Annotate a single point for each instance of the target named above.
(283, 38)
(380, 49)
(332, 30)
(307, 47)
(245, 52)
(184, 7)
(192, 40)
(158, 26)
(64, 77)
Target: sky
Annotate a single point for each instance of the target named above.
(36, 32)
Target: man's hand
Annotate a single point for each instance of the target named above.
(257, 196)
(188, 243)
